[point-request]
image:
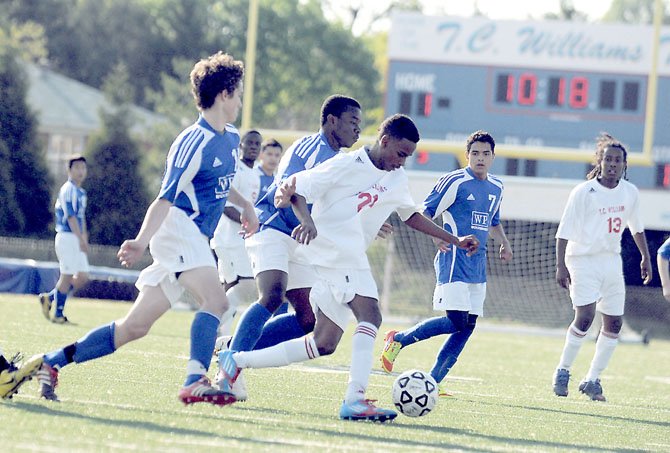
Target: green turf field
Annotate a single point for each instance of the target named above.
(503, 399)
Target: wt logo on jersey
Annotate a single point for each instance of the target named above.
(222, 189)
(480, 221)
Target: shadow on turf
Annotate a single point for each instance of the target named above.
(584, 414)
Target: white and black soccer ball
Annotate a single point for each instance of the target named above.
(414, 393)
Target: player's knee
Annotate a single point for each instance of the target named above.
(130, 330)
(272, 297)
(613, 324)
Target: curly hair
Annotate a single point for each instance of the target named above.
(604, 141)
(212, 75)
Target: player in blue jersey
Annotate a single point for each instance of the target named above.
(271, 249)
(71, 241)
(469, 202)
(177, 227)
(663, 261)
(271, 151)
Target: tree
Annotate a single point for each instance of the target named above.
(634, 12)
(25, 162)
(117, 198)
(567, 12)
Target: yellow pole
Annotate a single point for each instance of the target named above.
(250, 65)
(652, 87)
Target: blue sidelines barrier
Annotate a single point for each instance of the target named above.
(33, 277)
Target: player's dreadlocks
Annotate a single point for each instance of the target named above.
(603, 142)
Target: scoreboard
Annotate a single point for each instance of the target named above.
(543, 85)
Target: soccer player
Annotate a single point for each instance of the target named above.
(233, 261)
(271, 152)
(271, 250)
(353, 194)
(469, 202)
(71, 241)
(13, 375)
(588, 260)
(663, 260)
(177, 227)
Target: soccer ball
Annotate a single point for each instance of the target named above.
(414, 393)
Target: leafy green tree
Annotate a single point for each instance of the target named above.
(22, 156)
(117, 198)
(11, 218)
(634, 12)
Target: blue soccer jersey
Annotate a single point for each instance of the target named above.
(71, 201)
(468, 206)
(266, 182)
(304, 154)
(200, 168)
(664, 250)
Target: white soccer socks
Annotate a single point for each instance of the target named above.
(362, 346)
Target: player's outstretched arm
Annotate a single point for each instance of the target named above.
(423, 224)
(562, 273)
(248, 217)
(498, 234)
(645, 265)
(132, 250)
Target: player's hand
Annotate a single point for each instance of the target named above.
(385, 231)
(442, 246)
(284, 193)
(506, 253)
(249, 221)
(645, 271)
(469, 243)
(304, 233)
(130, 252)
(563, 277)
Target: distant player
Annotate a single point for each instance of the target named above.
(353, 194)
(271, 250)
(271, 151)
(13, 374)
(469, 202)
(71, 241)
(233, 261)
(177, 227)
(663, 258)
(588, 260)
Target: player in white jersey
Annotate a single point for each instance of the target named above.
(468, 200)
(353, 194)
(71, 241)
(588, 260)
(663, 260)
(233, 262)
(177, 227)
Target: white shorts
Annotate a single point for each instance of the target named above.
(335, 288)
(233, 263)
(460, 296)
(71, 260)
(177, 246)
(597, 278)
(273, 250)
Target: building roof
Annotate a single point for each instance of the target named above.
(63, 104)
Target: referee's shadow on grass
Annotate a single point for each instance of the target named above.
(584, 414)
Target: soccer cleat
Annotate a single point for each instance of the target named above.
(442, 391)
(238, 387)
(561, 379)
(222, 342)
(592, 389)
(365, 410)
(61, 320)
(48, 379)
(13, 377)
(391, 350)
(228, 373)
(45, 303)
(201, 391)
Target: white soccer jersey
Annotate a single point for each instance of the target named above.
(247, 182)
(352, 199)
(595, 217)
